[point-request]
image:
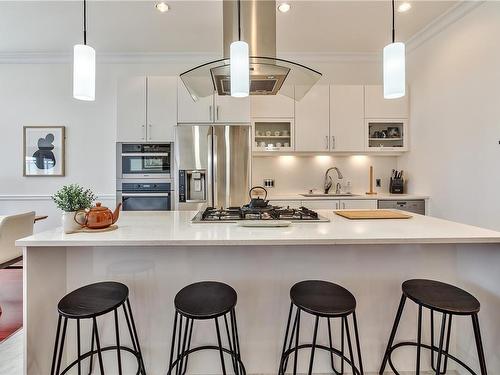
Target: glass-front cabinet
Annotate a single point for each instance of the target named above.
(273, 134)
(386, 134)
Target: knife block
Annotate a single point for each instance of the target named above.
(396, 186)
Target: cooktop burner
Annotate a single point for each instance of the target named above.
(233, 214)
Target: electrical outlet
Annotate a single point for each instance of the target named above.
(268, 182)
(378, 182)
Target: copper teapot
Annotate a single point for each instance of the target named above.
(97, 217)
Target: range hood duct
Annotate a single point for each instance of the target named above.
(268, 74)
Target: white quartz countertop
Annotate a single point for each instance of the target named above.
(174, 228)
(379, 196)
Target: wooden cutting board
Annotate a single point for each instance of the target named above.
(372, 214)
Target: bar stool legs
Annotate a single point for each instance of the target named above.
(60, 339)
(181, 343)
(447, 300)
(291, 344)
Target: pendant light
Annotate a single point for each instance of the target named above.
(394, 67)
(84, 66)
(239, 64)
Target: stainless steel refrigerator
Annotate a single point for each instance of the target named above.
(213, 165)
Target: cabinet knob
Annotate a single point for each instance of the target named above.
(326, 143)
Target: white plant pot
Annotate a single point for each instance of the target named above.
(68, 222)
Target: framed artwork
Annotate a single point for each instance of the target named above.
(43, 150)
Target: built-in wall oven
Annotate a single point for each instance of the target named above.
(143, 176)
(144, 160)
(145, 196)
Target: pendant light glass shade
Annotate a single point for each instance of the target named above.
(239, 69)
(83, 72)
(394, 71)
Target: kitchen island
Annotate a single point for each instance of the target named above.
(156, 254)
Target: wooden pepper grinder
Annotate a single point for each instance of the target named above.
(371, 192)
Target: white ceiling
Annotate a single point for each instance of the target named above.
(196, 26)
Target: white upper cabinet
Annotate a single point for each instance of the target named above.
(347, 125)
(190, 111)
(269, 106)
(161, 108)
(131, 110)
(231, 110)
(378, 107)
(146, 109)
(312, 120)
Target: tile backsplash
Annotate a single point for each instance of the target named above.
(298, 174)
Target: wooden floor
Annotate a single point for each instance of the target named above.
(11, 301)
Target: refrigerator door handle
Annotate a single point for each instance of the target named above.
(214, 166)
(210, 186)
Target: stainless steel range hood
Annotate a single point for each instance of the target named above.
(268, 74)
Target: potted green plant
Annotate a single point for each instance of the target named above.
(71, 198)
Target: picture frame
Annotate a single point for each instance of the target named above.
(44, 151)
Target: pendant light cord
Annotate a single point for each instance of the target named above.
(84, 22)
(239, 20)
(393, 28)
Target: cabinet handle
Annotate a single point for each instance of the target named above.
(217, 113)
(210, 112)
(333, 142)
(143, 132)
(343, 205)
(149, 131)
(326, 144)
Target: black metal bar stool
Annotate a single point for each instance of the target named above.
(327, 300)
(447, 300)
(202, 301)
(90, 302)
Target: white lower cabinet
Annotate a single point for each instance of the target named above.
(330, 204)
(367, 204)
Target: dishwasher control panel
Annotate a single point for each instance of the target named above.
(414, 205)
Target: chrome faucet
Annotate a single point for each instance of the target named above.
(329, 182)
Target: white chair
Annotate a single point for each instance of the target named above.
(12, 228)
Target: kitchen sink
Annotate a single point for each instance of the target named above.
(320, 195)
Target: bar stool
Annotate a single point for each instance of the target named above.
(447, 300)
(90, 302)
(203, 301)
(322, 299)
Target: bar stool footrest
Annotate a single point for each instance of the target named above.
(107, 348)
(337, 352)
(428, 347)
(207, 347)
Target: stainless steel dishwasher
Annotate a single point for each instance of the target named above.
(414, 205)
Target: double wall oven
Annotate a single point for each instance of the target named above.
(144, 176)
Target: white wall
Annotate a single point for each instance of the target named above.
(298, 174)
(455, 119)
(41, 94)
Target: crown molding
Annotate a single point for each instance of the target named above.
(432, 29)
(326, 57)
(109, 57)
(439, 24)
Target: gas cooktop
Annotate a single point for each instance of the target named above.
(234, 214)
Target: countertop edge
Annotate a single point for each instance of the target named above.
(266, 242)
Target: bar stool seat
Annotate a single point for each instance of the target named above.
(205, 300)
(441, 297)
(322, 298)
(448, 301)
(329, 302)
(93, 300)
(89, 303)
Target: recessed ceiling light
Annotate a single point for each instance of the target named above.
(162, 7)
(284, 7)
(404, 7)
